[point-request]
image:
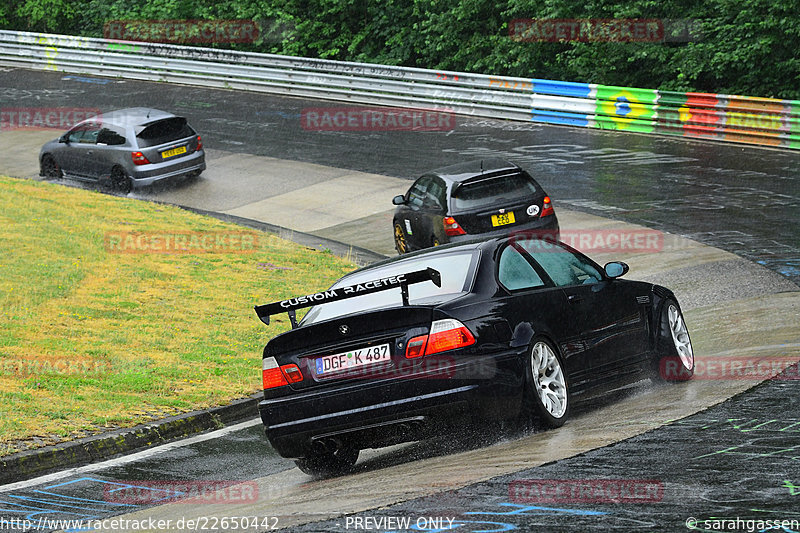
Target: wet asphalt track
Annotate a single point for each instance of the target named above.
(740, 459)
(732, 460)
(745, 200)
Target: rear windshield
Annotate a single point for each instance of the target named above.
(164, 131)
(493, 190)
(456, 268)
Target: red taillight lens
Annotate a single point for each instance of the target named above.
(416, 347)
(139, 158)
(448, 334)
(547, 207)
(199, 143)
(292, 373)
(445, 335)
(271, 374)
(451, 227)
(278, 376)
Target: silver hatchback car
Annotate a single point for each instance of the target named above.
(124, 149)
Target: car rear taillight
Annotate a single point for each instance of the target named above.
(416, 347)
(139, 158)
(547, 207)
(271, 374)
(292, 373)
(451, 227)
(199, 143)
(447, 334)
(277, 376)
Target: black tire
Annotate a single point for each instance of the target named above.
(400, 242)
(120, 182)
(324, 464)
(49, 168)
(546, 399)
(674, 354)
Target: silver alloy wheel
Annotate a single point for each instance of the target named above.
(548, 379)
(680, 337)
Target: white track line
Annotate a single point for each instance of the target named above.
(129, 458)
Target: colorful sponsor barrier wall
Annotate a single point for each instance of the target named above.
(722, 117)
(719, 117)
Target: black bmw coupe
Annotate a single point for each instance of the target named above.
(511, 327)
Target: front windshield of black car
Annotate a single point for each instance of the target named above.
(456, 269)
(492, 190)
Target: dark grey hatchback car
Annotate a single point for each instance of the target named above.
(476, 199)
(125, 148)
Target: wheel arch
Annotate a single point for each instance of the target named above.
(660, 295)
(51, 155)
(45, 155)
(525, 332)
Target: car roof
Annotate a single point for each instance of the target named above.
(446, 248)
(475, 169)
(132, 116)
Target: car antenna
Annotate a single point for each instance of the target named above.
(481, 166)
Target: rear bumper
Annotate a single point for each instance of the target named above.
(148, 174)
(365, 414)
(545, 227)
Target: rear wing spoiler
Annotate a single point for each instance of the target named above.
(291, 305)
(485, 176)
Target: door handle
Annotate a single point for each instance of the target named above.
(575, 298)
(90, 152)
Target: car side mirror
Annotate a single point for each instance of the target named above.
(64, 139)
(399, 200)
(616, 269)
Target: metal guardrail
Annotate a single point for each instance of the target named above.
(751, 120)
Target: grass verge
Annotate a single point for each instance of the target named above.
(114, 312)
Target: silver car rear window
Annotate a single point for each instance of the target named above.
(164, 131)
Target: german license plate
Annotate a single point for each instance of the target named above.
(175, 151)
(340, 362)
(503, 218)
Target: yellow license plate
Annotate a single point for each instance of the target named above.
(175, 151)
(503, 218)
